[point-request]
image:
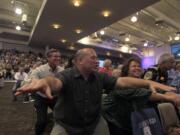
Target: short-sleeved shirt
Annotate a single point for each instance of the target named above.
(44, 71)
(79, 105)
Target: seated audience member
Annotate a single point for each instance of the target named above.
(78, 109)
(178, 67)
(176, 78)
(118, 105)
(70, 62)
(106, 67)
(159, 73)
(117, 71)
(1, 78)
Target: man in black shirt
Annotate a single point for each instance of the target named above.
(159, 73)
(78, 108)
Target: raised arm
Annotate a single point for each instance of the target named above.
(44, 85)
(134, 82)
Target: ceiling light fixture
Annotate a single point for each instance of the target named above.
(18, 11)
(130, 51)
(176, 38)
(63, 40)
(18, 27)
(78, 31)
(127, 39)
(12, 1)
(108, 54)
(106, 13)
(77, 3)
(24, 18)
(71, 47)
(85, 40)
(102, 32)
(56, 26)
(145, 44)
(125, 48)
(134, 19)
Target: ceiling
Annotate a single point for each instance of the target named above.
(157, 24)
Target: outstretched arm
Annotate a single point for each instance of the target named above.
(168, 96)
(44, 85)
(134, 82)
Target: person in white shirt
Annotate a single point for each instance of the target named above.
(19, 77)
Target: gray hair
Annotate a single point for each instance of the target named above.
(165, 57)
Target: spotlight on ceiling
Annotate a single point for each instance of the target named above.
(127, 39)
(177, 38)
(125, 48)
(77, 3)
(18, 27)
(63, 40)
(106, 13)
(78, 31)
(18, 11)
(145, 44)
(102, 32)
(56, 26)
(24, 18)
(108, 54)
(134, 19)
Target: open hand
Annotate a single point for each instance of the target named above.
(36, 85)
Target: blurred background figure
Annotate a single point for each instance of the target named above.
(19, 76)
(70, 62)
(106, 67)
(1, 78)
(117, 71)
(175, 82)
(159, 73)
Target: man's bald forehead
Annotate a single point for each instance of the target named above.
(82, 52)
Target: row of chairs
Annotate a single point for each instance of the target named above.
(169, 118)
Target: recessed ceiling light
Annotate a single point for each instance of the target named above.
(63, 40)
(78, 31)
(12, 1)
(108, 54)
(125, 48)
(145, 44)
(134, 19)
(106, 13)
(18, 11)
(18, 27)
(127, 39)
(71, 47)
(176, 38)
(56, 26)
(77, 3)
(130, 51)
(24, 18)
(102, 32)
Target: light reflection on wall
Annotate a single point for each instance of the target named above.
(148, 61)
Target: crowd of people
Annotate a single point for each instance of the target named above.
(73, 89)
